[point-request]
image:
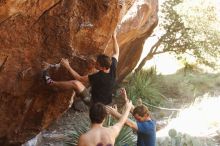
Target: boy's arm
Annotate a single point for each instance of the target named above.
(115, 46)
(125, 97)
(78, 77)
(118, 126)
(117, 115)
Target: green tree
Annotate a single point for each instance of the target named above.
(201, 17)
(187, 32)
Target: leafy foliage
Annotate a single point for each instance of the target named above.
(201, 17)
(144, 85)
(191, 32)
(158, 89)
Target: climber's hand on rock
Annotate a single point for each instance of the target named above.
(45, 65)
(65, 62)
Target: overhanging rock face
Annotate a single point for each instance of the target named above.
(48, 30)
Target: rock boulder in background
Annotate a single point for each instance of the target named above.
(48, 30)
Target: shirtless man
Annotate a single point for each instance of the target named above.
(99, 135)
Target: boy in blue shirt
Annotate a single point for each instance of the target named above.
(144, 125)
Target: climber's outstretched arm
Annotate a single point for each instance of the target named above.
(115, 46)
(78, 77)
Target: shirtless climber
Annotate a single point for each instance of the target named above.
(99, 135)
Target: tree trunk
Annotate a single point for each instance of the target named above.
(140, 66)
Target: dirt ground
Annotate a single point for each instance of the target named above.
(60, 131)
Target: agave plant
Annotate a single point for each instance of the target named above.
(143, 84)
(125, 138)
(79, 130)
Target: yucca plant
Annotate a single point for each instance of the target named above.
(144, 85)
(125, 138)
(78, 130)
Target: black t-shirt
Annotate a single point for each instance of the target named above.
(103, 84)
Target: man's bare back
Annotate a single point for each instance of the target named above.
(99, 136)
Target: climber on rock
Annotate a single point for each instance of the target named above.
(102, 82)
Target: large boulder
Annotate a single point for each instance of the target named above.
(33, 31)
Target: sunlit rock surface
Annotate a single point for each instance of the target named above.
(32, 31)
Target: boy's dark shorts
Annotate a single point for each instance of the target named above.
(85, 95)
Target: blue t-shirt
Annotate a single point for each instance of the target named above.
(146, 133)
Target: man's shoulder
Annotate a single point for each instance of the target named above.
(83, 136)
(86, 137)
(114, 127)
(95, 133)
(147, 121)
(146, 124)
(82, 140)
(93, 75)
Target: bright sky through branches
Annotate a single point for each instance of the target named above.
(191, 10)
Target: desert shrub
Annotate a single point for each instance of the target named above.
(144, 85)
